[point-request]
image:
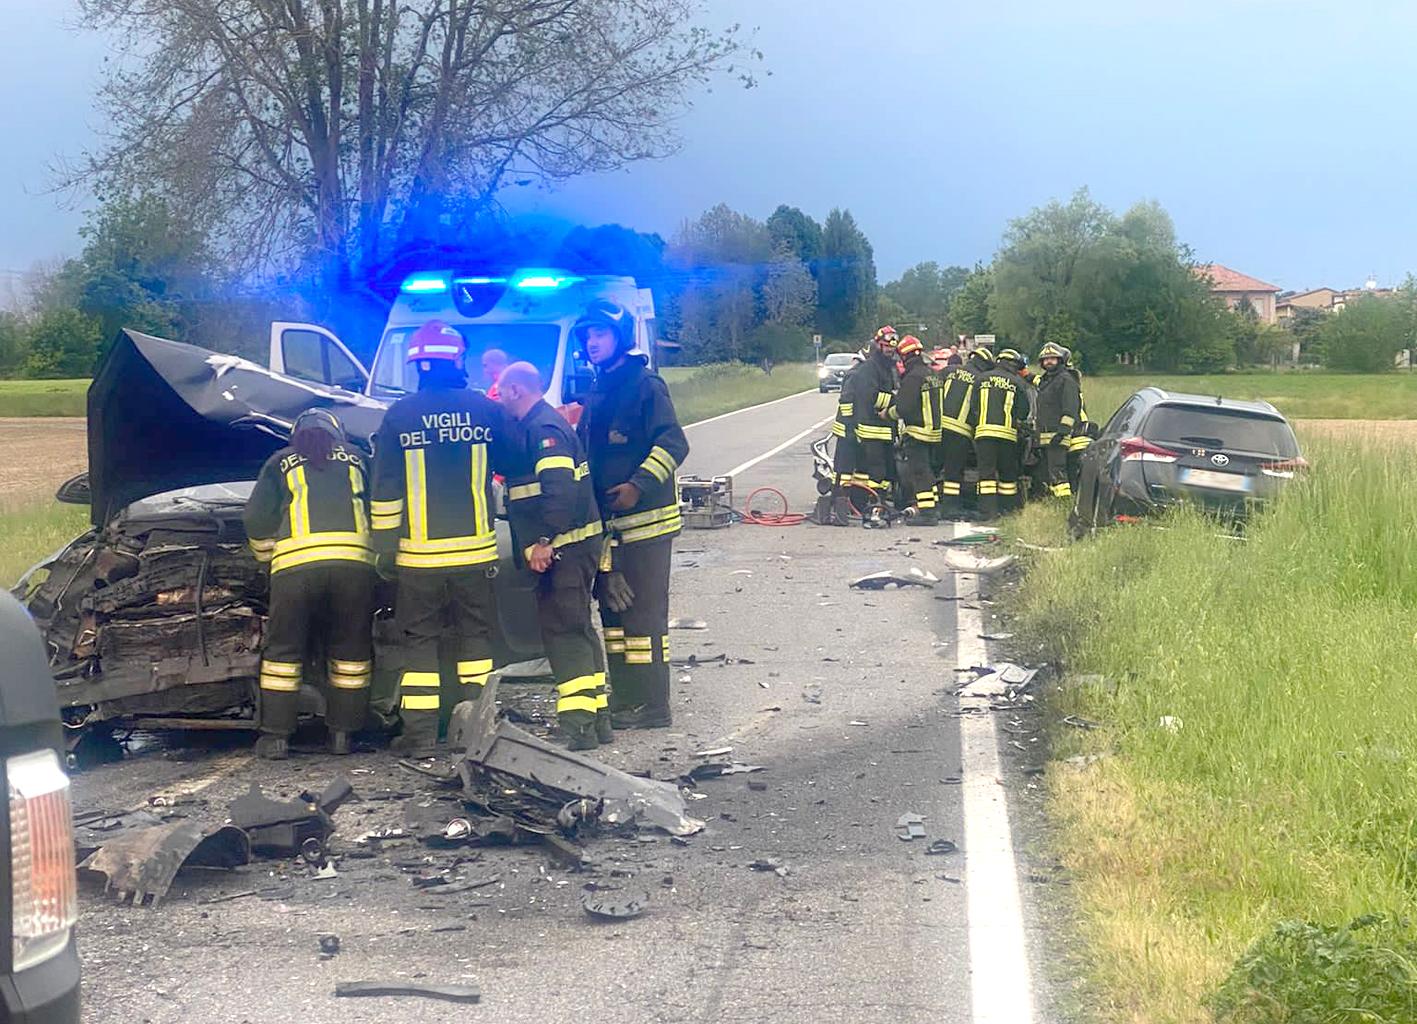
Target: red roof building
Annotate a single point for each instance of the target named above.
(1236, 288)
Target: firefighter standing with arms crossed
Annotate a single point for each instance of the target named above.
(1001, 405)
(556, 532)
(1059, 415)
(635, 444)
(434, 457)
(308, 516)
(917, 407)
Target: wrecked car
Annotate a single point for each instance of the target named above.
(154, 617)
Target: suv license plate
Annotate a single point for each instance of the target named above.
(1218, 481)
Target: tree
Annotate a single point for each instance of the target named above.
(791, 229)
(789, 293)
(62, 343)
(14, 343)
(1366, 335)
(717, 263)
(318, 134)
(846, 280)
(970, 306)
(924, 292)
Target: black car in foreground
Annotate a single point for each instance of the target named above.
(1161, 448)
(39, 968)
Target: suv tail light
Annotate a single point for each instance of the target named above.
(1284, 468)
(1136, 449)
(44, 888)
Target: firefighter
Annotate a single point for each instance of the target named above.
(957, 429)
(1083, 433)
(1001, 405)
(845, 451)
(1059, 410)
(635, 444)
(434, 457)
(1032, 471)
(917, 407)
(871, 398)
(308, 517)
(556, 530)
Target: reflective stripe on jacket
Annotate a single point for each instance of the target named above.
(549, 493)
(299, 514)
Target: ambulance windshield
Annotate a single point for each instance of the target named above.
(533, 343)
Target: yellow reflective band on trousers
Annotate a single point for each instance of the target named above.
(614, 640)
(949, 488)
(639, 650)
(474, 672)
(1007, 489)
(350, 675)
(839, 428)
(1062, 490)
(988, 487)
(577, 694)
(1080, 443)
(419, 691)
(602, 697)
(280, 676)
(925, 499)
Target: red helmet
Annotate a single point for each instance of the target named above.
(909, 345)
(886, 338)
(436, 340)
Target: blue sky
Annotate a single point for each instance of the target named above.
(1275, 131)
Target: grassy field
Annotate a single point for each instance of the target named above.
(1249, 793)
(43, 397)
(701, 392)
(1299, 395)
(34, 531)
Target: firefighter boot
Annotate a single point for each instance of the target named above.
(272, 746)
(840, 510)
(579, 729)
(604, 726)
(419, 735)
(339, 742)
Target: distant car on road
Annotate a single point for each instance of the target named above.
(833, 370)
(39, 980)
(1161, 448)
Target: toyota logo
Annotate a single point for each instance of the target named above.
(1220, 459)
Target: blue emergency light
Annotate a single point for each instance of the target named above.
(544, 280)
(425, 284)
(479, 280)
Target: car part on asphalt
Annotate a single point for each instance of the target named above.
(910, 826)
(687, 624)
(446, 993)
(964, 561)
(888, 579)
(772, 864)
(614, 904)
(141, 860)
(280, 828)
(941, 846)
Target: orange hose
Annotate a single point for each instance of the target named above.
(781, 518)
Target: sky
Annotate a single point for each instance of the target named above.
(1275, 132)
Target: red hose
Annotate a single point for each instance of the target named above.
(781, 518)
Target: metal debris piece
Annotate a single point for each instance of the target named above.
(910, 826)
(614, 904)
(447, 993)
(968, 562)
(329, 946)
(718, 769)
(772, 864)
(996, 636)
(1078, 722)
(941, 846)
(687, 624)
(888, 579)
(812, 693)
(502, 747)
(999, 680)
(694, 661)
(969, 540)
(279, 828)
(141, 863)
(714, 752)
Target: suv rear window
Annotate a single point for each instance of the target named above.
(1231, 429)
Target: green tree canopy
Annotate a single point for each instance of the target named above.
(846, 279)
(1366, 335)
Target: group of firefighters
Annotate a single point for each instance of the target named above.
(910, 426)
(593, 511)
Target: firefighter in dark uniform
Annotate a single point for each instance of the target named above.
(308, 517)
(1059, 413)
(556, 532)
(957, 429)
(871, 399)
(1028, 453)
(434, 457)
(917, 407)
(1083, 433)
(1001, 405)
(845, 451)
(635, 445)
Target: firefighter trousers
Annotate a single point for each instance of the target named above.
(433, 604)
(331, 603)
(952, 456)
(1056, 455)
(844, 462)
(568, 635)
(874, 461)
(637, 640)
(917, 474)
(998, 476)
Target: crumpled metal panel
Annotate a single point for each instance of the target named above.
(140, 863)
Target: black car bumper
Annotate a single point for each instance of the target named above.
(47, 994)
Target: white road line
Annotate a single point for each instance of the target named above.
(790, 441)
(218, 769)
(748, 408)
(1001, 984)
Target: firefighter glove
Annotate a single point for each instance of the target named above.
(613, 590)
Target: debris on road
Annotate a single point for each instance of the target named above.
(812, 693)
(715, 752)
(718, 769)
(888, 579)
(613, 904)
(1002, 680)
(1078, 722)
(996, 636)
(282, 828)
(968, 562)
(141, 861)
(687, 624)
(969, 540)
(941, 846)
(329, 946)
(447, 993)
(910, 826)
(772, 864)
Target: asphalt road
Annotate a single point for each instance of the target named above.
(845, 696)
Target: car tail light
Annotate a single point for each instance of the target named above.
(1136, 449)
(1284, 468)
(44, 888)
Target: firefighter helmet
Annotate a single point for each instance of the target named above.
(984, 353)
(1012, 358)
(1052, 350)
(613, 317)
(436, 340)
(908, 346)
(886, 338)
(320, 419)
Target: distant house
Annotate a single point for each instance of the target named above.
(1314, 298)
(1236, 288)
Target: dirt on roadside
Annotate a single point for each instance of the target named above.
(40, 454)
(1368, 431)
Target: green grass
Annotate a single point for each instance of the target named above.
(1299, 394)
(702, 392)
(31, 533)
(43, 397)
(1284, 790)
